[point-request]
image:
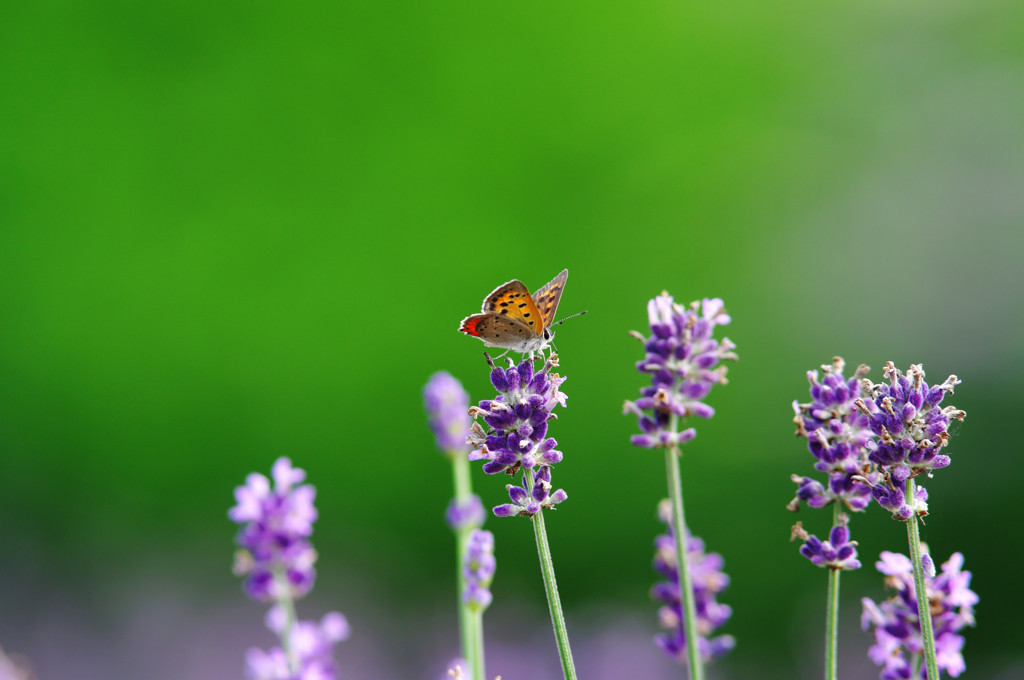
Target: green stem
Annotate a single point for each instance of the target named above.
(547, 569)
(477, 666)
(675, 492)
(832, 614)
(921, 589)
(288, 606)
(470, 623)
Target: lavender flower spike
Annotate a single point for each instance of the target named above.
(682, 358)
(447, 406)
(277, 559)
(276, 556)
(447, 409)
(838, 436)
(479, 569)
(517, 419)
(898, 644)
(911, 430)
(708, 581)
(516, 440)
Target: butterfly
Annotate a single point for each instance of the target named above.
(513, 319)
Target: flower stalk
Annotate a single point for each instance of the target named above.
(921, 590)
(683, 357)
(515, 442)
(447, 405)
(547, 568)
(675, 493)
(832, 614)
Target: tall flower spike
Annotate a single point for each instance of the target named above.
(447, 405)
(898, 644)
(277, 560)
(708, 581)
(912, 430)
(682, 358)
(516, 441)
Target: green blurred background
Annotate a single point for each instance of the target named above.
(230, 232)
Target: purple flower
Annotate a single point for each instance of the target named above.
(311, 649)
(467, 515)
(911, 427)
(448, 410)
(708, 581)
(898, 644)
(838, 552)
(838, 436)
(277, 559)
(479, 569)
(528, 500)
(14, 669)
(276, 556)
(682, 359)
(516, 435)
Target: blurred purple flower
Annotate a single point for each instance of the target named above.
(898, 644)
(310, 643)
(468, 515)
(682, 358)
(911, 429)
(708, 581)
(275, 557)
(447, 406)
(479, 569)
(14, 669)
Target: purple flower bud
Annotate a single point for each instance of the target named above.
(528, 500)
(838, 552)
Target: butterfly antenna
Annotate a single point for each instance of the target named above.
(571, 316)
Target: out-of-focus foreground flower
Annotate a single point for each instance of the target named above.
(708, 581)
(898, 644)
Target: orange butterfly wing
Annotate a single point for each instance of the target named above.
(513, 302)
(546, 299)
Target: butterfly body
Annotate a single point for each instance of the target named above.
(513, 319)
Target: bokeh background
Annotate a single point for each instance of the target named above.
(235, 231)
